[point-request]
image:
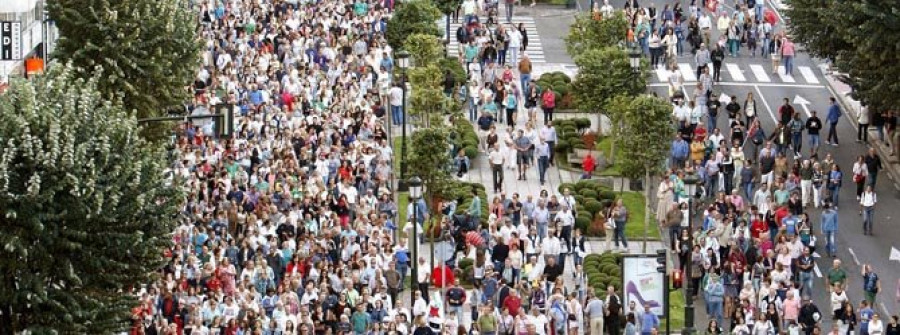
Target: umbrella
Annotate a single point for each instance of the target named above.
(474, 238)
(770, 16)
(442, 274)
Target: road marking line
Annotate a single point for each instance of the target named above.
(817, 271)
(808, 74)
(662, 74)
(735, 71)
(855, 259)
(785, 77)
(687, 72)
(760, 73)
(766, 104)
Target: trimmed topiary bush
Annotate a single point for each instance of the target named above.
(588, 194)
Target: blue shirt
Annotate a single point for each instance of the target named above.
(829, 221)
(648, 322)
(834, 113)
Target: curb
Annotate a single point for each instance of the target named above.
(892, 170)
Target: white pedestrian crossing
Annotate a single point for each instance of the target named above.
(784, 76)
(535, 50)
(735, 72)
(687, 72)
(760, 73)
(808, 75)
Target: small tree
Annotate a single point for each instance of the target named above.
(409, 18)
(447, 7)
(148, 49)
(587, 33)
(424, 49)
(429, 159)
(645, 142)
(602, 75)
(86, 210)
(427, 102)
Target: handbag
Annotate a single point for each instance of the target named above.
(858, 178)
(610, 224)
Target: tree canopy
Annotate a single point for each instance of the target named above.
(148, 49)
(424, 49)
(429, 158)
(860, 37)
(603, 74)
(409, 18)
(644, 152)
(86, 209)
(587, 33)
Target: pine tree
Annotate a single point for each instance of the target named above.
(148, 49)
(85, 208)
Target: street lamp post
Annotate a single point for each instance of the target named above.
(690, 186)
(403, 64)
(415, 193)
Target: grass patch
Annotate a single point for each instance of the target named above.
(605, 145)
(676, 312)
(637, 206)
(398, 142)
(402, 203)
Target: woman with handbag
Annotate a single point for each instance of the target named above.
(775, 47)
(860, 172)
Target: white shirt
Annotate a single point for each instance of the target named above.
(868, 199)
(396, 96)
(496, 157)
(705, 22)
(565, 218)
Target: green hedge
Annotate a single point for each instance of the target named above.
(465, 137)
(593, 197)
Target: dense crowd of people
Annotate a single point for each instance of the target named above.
(289, 226)
(760, 197)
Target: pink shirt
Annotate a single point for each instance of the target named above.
(787, 48)
(791, 309)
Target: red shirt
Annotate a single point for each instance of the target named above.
(781, 213)
(588, 163)
(758, 227)
(512, 304)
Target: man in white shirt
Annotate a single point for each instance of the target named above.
(868, 201)
(497, 160)
(422, 278)
(682, 114)
(514, 40)
(705, 24)
(566, 220)
(468, 9)
(396, 100)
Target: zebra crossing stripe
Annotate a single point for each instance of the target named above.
(687, 72)
(760, 73)
(784, 76)
(735, 72)
(808, 74)
(662, 74)
(534, 51)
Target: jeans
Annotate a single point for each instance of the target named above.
(814, 141)
(712, 185)
(832, 133)
(619, 234)
(710, 122)
(459, 313)
(733, 47)
(497, 174)
(501, 56)
(789, 65)
(727, 178)
(764, 48)
(797, 142)
(835, 195)
(542, 229)
(402, 268)
(509, 12)
(473, 110)
(830, 242)
(748, 190)
(717, 73)
(542, 167)
(868, 218)
(715, 311)
(806, 281)
(524, 78)
(566, 236)
(870, 180)
(514, 57)
(397, 114)
(550, 145)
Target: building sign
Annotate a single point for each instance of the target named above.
(10, 40)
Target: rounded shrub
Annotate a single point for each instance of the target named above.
(588, 193)
(562, 147)
(592, 206)
(607, 195)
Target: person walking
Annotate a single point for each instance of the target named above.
(620, 216)
(542, 150)
(867, 202)
(787, 54)
(548, 103)
(829, 227)
(702, 59)
(860, 172)
(871, 283)
(862, 131)
(796, 127)
(873, 164)
(834, 115)
(813, 126)
(497, 160)
(718, 56)
(595, 310)
(715, 297)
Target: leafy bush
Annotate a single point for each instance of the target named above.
(582, 123)
(588, 193)
(593, 206)
(582, 222)
(562, 147)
